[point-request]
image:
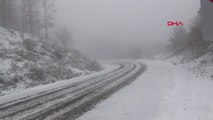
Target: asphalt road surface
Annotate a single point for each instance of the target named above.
(71, 101)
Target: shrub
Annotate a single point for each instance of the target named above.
(203, 62)
(36, 73)
(29, 44)
(59, 53)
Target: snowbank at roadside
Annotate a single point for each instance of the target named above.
(21, 93)
(202, 66)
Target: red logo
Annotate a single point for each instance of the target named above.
(172, 23)
(211, 0)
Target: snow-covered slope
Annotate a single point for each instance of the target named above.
(30, 62)
(198, 61)
(203, 66)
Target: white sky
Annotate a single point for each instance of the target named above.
(124, 21)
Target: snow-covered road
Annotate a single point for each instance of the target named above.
(163, 92)
(68, 101)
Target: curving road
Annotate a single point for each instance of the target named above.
(71, 101)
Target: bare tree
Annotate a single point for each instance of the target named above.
(23, 17)
(29, 11)
(195, 31)
(9, 14)
(64, 36)
(29, 16)
(3, 13)
(178, 40)
(47, 10)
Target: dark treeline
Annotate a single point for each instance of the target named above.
(183, 40)
(27, 16)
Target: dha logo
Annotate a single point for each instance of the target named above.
(172, 23)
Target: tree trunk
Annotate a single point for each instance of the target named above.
(31, 17)
(3, 4)
(22, 18)
(45, 19)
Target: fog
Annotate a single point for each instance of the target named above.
(100, 26)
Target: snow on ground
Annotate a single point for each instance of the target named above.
(202, 66)
(163, 92)
(20, 93)
(28, 61)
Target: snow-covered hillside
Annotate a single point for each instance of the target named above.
(202, 66)
(199, 61)
(30, 62)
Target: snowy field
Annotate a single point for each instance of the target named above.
(163, 92)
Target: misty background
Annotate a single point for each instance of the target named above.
(102, 27)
